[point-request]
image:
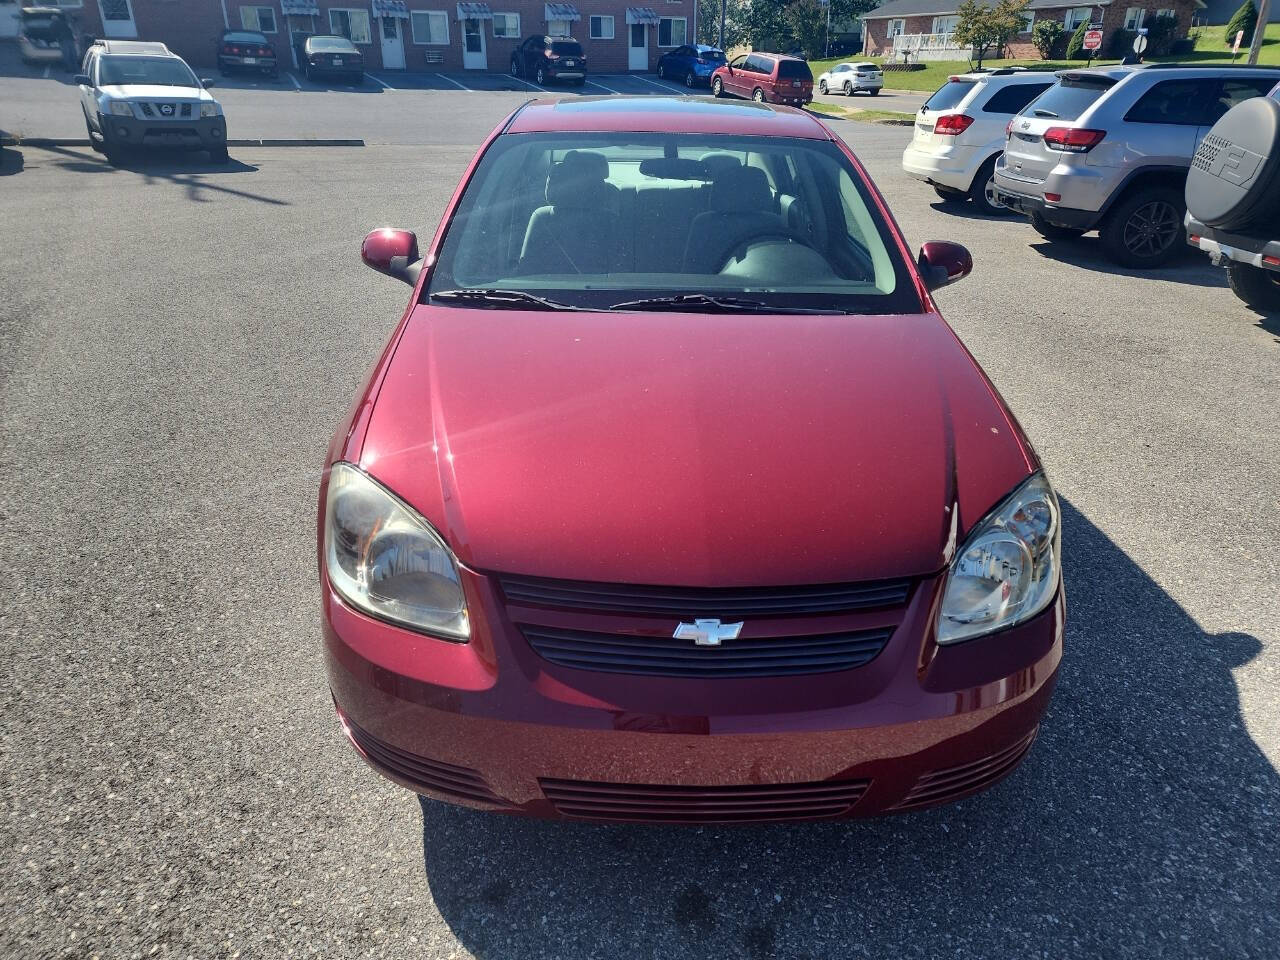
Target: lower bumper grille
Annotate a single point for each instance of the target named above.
(644, 803)
(943, 785)
(429, 774)
(744, 657)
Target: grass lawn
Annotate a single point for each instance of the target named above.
(1209, 49)
(866, 116)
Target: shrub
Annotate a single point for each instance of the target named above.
(1120, 43)
(1045, 36)
(1075, 46)
(1161, 32)
(1244, 19)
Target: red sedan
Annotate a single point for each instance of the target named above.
(674, 499)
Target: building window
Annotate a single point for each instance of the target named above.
(1167, 12)
(352, 24)
(262, 19)
(945, 24)
(430, 26)
(602, 28)
(558, 28)
(896, 28)
(1077, 16)
(671, 31)
(1133, 17)
(1028, 21)
(506, 26)
(115, 9)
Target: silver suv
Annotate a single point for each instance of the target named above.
(139, 94)
(1109, 149)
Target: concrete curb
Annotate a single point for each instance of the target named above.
(10, 141)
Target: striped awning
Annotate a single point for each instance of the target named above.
(560, 11)
(300, 8)
(391, 8)
(474, 11)
(642, 15)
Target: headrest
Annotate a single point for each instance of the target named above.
(573, 181)
(719, 163)
(745, 189)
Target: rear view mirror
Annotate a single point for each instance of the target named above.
(207, 82)
(393, 252)
(82, 79)
(942, 262)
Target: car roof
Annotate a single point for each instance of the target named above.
(664, 115)
(329, 36)
(148, 48)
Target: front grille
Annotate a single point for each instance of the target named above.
(664, 656)
(185, 110)
(722, 602)
(146, 110)
(659, 803)
(429, 774)
(943, 785)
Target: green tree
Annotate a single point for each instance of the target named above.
(806, 21)
(988, 28)
(1045, 35)
(1075, 46)
(1245, 19)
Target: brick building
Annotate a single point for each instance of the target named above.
(434, 35)
(937, 18)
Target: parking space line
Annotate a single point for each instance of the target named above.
(379, 82)
(660, 86)
(603, 87)
(531, 86)
(296, 85)
(454, 82)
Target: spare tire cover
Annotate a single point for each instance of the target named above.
(1234, 180)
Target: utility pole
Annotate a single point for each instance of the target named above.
(725, 3)
(1255, 48)
(827, 50)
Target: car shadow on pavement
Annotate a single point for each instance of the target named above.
(1143, 824)
(11, 161)
(967, 210)
(1086, 252)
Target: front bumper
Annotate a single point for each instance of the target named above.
(1255, 251)
(196, 133)
(491, 725)
(950, 166)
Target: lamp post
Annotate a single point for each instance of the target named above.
(723, 5)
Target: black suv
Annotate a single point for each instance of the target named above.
(550, 58)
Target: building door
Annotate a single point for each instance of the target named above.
(473, 52)
(117, 18)
(638, 47)
(392, 43)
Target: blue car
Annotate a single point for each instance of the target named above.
(691, 64)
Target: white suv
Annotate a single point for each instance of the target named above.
(851, 78)
(960, 131)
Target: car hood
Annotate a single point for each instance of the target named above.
(151, 91)
(692, 449)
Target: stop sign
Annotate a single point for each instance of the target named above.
(1092, 39)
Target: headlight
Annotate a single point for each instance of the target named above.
(120, 108)
(386, 560)
(208, 109)
(1008, 569)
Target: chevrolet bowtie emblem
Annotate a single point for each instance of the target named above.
(707, 633)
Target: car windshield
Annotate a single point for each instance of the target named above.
(335, 44)
(949, 94)
(162, 71)
(1067, 98)
(595, 220)
(566, 48)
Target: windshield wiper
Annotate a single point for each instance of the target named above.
(705, 303)
(503, 300)
(1042, 112)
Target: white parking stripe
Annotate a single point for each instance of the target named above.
(660, 86)
(379, 82)
(592, 83)
(454, 82)
(296, 85)
(531, 86)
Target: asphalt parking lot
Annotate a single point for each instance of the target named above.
(177, 341)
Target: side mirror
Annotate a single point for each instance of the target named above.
(207, 82)
(82, 79)
(393, 252)
(942, 262)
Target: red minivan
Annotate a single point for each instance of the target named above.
(765, 78)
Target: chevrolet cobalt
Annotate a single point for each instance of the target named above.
(674, 499)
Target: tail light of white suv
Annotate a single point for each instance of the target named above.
(953, 124)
